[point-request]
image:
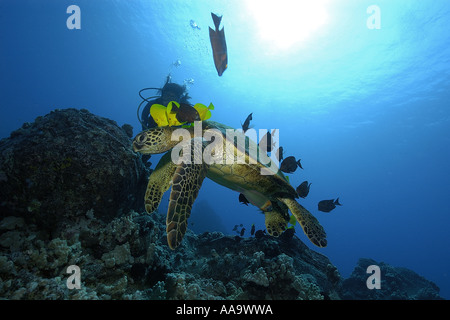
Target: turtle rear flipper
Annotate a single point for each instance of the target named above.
(159, 182)
(310, 225)
(277, 219)
(186, 183)
(275, 223)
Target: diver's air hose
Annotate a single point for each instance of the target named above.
(140, 91)
(144, 100)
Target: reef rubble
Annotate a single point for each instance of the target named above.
(71, 194)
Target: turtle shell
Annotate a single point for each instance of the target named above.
(243, 168)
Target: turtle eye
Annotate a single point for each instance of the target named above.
(142, 138)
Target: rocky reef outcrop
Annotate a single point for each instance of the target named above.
(71, 194)
(396, 283)
(66, 163)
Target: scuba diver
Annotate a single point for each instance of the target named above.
(169, 92)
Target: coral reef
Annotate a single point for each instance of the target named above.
(128, 258)
(396, 284)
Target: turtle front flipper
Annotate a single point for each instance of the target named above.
(186, 183)
(159, 182)
(310, 225)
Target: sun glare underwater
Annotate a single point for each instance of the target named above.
(359, 91)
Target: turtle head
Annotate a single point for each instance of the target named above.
(155, 140)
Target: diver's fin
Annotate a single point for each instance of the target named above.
(310, 225)
(159, 182)
(216, 20)
(336, 202)
(186, 183)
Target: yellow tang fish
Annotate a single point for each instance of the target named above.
(174, 112)
(204, 111)
(158, 113)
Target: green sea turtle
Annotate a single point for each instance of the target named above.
(271, 192)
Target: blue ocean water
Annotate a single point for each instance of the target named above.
(359, 93)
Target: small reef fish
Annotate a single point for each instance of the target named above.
(246, 124)
(219, 45)
(303, 189)
(252, 231)
(289, 165)
(243, 199)
(328, 205)
(242, 232)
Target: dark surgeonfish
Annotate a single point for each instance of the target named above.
(303, 189)
(252, 231)
(243, 199)
(242, 232)
(219, 45)
(289, 165)
(186, 113)
(328, 205)
(246, 124)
